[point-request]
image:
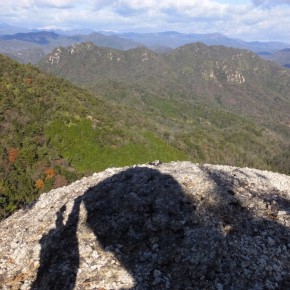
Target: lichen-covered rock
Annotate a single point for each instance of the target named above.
(159, 226)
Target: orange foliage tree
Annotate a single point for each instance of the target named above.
(28, 81)
(49, 173)
(39, 184)
(13, 154)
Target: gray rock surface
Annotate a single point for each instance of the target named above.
(159, 226)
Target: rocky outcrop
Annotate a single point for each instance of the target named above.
(160, 226)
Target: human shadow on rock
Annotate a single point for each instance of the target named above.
(150, 224)
(59, 257)
(169, 239)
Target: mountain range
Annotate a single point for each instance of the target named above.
(225, 77)
(30, 46)
(202, 97)
(175, 39)
(202, 103)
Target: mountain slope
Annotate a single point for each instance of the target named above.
(53, 132)
(237, 80)
(87, 63)
(281, 57)
(219, 105)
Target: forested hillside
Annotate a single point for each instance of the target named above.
(218, 104)
(53, 132)
(140, 109)
(232, 79)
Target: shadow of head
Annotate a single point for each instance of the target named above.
(143, 216)
(167, 239)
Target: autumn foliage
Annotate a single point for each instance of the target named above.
(49, 173)
(39, 184)
(28, 81)
(13, 154)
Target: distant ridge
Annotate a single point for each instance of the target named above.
(160, 41)
(41, 37)
(175, 39)
(282, 57)
(232, 78)
(25, 47)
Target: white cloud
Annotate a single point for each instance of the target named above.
(55, 3)
(179, 5)
(249, 20)
(270, 3)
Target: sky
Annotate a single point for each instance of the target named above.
(263, 20)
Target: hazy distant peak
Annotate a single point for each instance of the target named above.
(40, 37)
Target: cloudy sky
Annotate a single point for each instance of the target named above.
(249, 19)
